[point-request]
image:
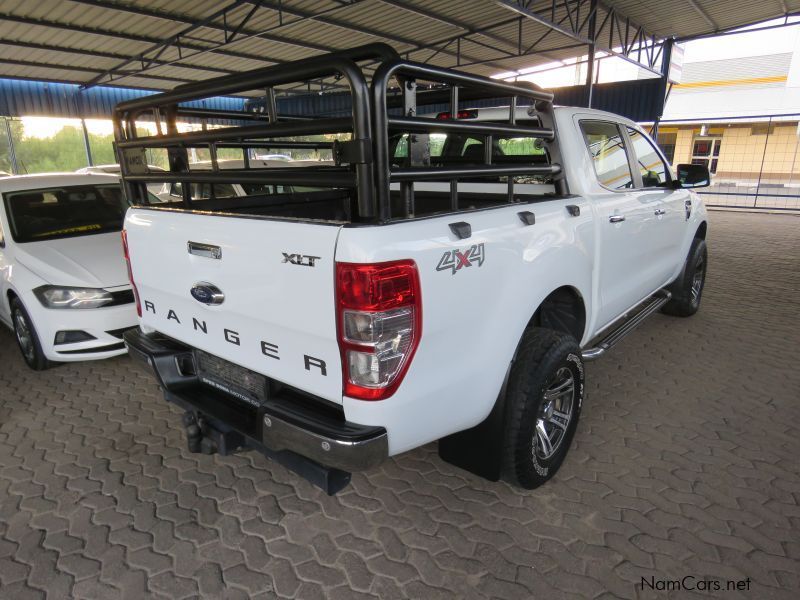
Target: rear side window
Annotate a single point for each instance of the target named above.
(202, 191)
(609, 155)
(435, 140)
(649, 162)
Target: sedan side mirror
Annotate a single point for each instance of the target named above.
(693, 176)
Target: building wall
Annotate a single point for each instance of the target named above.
(749, 150)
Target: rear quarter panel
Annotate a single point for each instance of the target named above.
(473, 317)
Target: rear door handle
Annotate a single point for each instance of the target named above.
(616, 219)
(204, 250)
(660, 211)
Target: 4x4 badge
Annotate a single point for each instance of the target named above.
(455, 260)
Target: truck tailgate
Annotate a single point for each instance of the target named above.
(277, 316)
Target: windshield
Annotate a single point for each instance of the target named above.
(38, 215)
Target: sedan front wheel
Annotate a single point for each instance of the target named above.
(27, 338)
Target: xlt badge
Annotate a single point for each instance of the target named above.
(303, 260)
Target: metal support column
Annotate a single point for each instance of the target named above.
(666, 59)
(87, 146)
(12, 153)
(591, 57)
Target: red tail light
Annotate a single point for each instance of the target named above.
(379, 319)
(462, 114)
(130, 272)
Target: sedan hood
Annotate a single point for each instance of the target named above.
(94, 261)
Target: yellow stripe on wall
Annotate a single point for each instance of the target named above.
(727, 82)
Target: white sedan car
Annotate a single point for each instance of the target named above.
(114, 169)
(63, 277)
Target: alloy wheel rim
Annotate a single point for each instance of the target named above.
(24, 336)
(697, 281)
(555, 415)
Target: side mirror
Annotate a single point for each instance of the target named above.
(693, 176)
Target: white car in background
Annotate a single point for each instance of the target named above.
(114, 169)
(63, 278)
(173, 192)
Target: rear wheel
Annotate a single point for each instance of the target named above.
(27, 338)
(544, 395)
(687, 290)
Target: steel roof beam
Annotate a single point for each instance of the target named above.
(321, 18)
(78, 69)
(301, 16)
(161, 46)
(701, 11)
(102, 54)
(468, 29)
(210, 24)
(120, 35)
(434, 16)
(638, 44)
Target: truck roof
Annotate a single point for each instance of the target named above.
(501, 112)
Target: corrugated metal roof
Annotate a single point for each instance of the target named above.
(639, 100)
(79, 41)
(68, 100)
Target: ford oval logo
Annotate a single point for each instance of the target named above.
(207, 293)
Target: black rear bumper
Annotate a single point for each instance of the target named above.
(287, 420)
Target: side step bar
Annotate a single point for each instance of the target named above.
(627, 325)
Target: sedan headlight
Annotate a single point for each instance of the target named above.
(72, 297)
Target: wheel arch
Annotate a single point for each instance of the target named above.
(701, 231)
(563, 310)
(10, 296)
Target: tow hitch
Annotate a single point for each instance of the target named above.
(205, 435)
(202, 437)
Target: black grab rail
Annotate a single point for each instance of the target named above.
(407, 72)
(130, 146)
(363, 164)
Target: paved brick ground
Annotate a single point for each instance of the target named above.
(685, 463)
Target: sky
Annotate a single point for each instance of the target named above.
(752, 43)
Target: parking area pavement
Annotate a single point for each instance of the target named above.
(685, 467)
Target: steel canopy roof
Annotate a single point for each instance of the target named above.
(159, 44)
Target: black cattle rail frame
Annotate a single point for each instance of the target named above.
(361, 164)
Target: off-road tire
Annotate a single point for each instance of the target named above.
(687, 290)
(544, 358)
(27, 338)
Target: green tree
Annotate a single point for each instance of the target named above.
(62, 152)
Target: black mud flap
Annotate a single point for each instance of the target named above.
(479, 450)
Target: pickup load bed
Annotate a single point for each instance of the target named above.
(443, 277)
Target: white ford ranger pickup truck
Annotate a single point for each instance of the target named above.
(443, 278)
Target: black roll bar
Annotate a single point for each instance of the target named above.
(338, 63)
(368, 169)
(464, 126)
(337, 125)
(407, 71)
(326, 176)
(437, 173)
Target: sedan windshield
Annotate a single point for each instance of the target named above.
(38, 215)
